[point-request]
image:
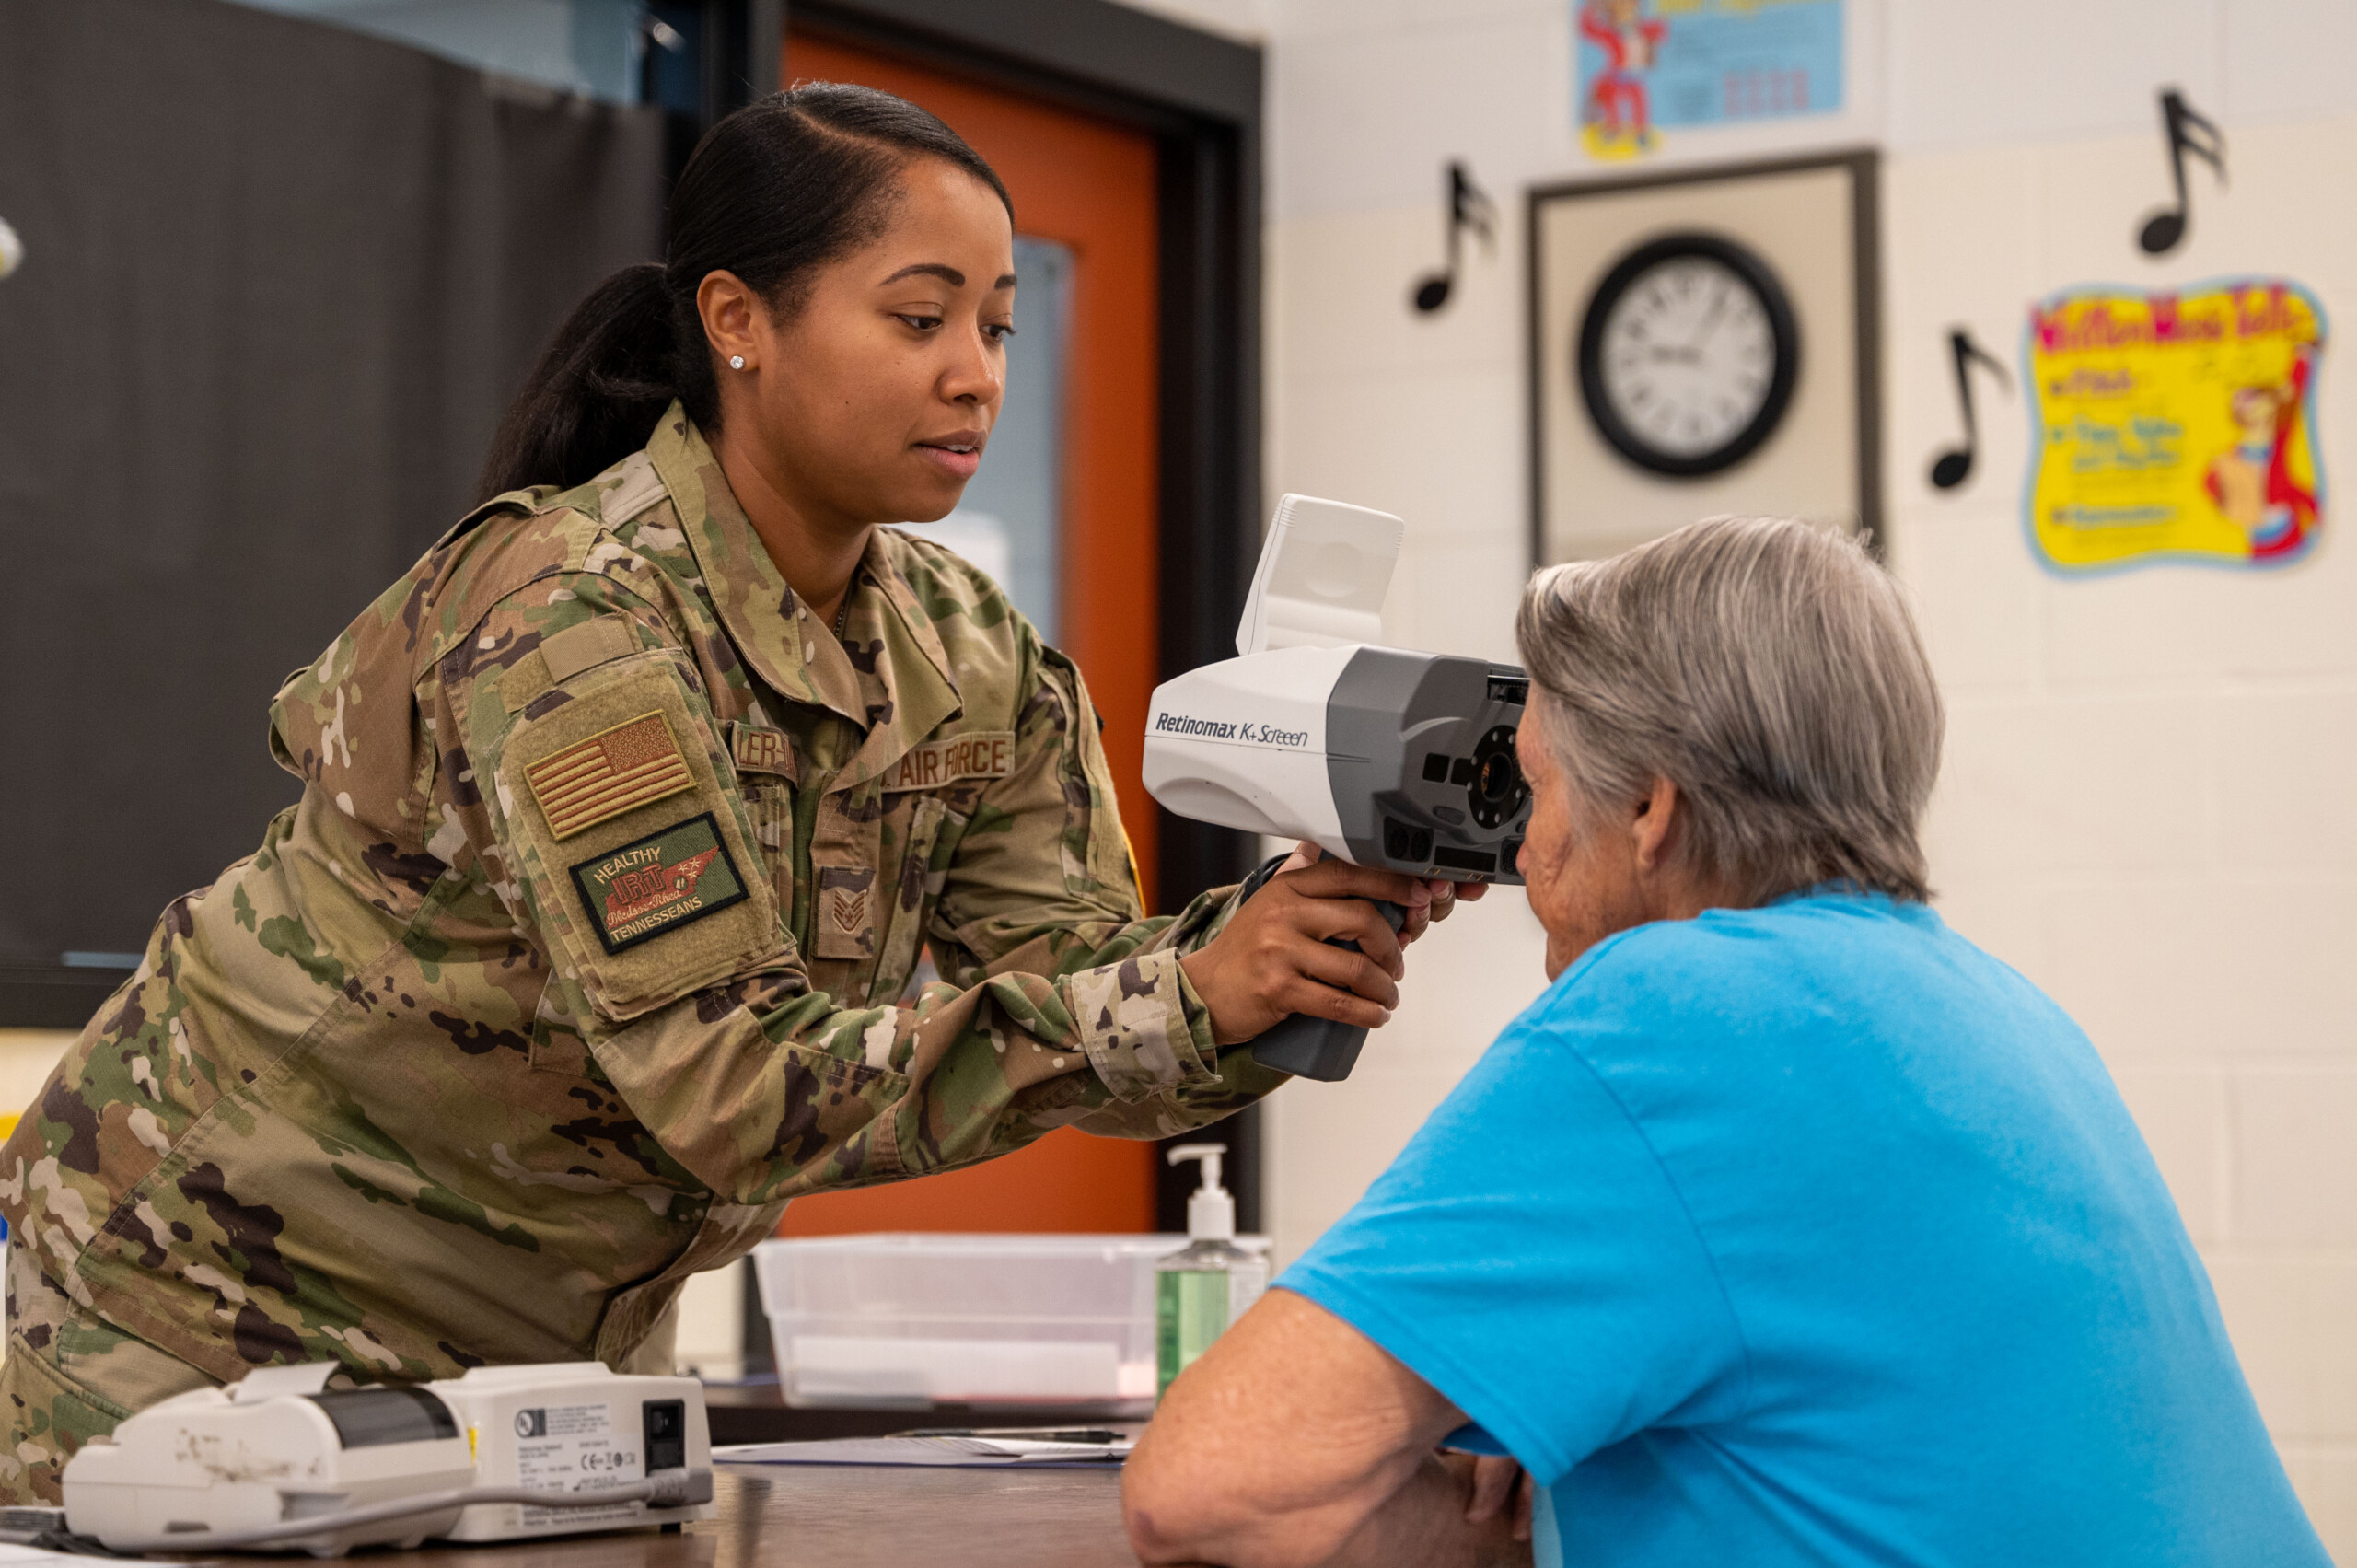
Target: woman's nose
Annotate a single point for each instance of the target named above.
(975, 376)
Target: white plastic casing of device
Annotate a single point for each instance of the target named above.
(1322, 575)
(1242, 743)
(263, 1451)
(570, 1427)
(253, 1455)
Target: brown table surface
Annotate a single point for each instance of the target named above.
(851, 1517)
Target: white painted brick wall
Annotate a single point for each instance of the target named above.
(2150, 801)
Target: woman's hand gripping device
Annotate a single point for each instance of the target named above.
(1386, 758)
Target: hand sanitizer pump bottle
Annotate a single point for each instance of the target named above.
(1201, 1289)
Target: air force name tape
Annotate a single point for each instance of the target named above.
(616, 771)
(660, 883)
(985, 754)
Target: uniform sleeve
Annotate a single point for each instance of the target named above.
(1042, 884)
(582, 777)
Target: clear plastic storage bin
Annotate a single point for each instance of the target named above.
(909, 1318)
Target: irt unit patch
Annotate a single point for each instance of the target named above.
(662, 882)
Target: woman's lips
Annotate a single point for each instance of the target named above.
(960, 465)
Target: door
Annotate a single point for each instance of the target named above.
(1064, 513)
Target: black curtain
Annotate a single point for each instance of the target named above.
(279, 281)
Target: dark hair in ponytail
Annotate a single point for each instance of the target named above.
(774, 191)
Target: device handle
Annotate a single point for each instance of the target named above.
(1317, 1047)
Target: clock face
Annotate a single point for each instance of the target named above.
(1688, 355)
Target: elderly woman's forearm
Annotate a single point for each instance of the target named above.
(1408, 1512)
(1191, 1504)
(1422, 1524)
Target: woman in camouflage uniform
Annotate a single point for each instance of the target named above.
(626, 815)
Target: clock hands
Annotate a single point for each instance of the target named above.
(1718, 305)
(1690, 352)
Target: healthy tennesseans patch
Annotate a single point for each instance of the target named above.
(658, 884)
(597, 779)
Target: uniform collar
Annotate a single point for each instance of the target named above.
(889, 674)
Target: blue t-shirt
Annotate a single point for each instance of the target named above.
(1811, 1234)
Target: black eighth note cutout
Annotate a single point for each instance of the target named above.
(1953, 466)
(2188, 133)
(1468, 207)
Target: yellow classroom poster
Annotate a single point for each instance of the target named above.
(2175, 426)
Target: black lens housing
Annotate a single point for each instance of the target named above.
(1496, 792)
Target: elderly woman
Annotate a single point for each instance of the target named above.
(1786, 1226)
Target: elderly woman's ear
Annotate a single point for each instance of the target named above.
(1594, 865)
(1656, 831)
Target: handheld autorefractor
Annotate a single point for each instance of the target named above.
(1386, 758)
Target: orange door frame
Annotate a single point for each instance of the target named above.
(1089, 185)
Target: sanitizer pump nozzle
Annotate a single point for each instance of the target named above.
(1210, 1208)
(1207, 1285)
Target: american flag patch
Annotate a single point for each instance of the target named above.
(608, 774)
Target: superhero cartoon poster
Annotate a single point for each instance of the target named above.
(1645, 64)
(2175, 424)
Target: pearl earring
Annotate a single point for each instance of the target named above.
(735, 362)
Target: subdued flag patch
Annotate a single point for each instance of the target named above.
(613, 772)
(658, 884)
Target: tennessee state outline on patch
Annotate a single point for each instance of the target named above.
(661, 882)
(614, 770)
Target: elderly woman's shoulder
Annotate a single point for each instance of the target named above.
(1739, 961)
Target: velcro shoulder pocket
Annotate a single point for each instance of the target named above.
(618, 808)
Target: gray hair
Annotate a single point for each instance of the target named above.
(1773, 672)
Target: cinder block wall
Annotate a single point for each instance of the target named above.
(2150, 799)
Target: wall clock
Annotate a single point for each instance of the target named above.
(1666, 417)
(1688, 355)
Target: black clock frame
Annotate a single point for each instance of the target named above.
(1784, 327)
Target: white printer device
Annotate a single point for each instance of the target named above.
(282, 1462)
(1383, 756)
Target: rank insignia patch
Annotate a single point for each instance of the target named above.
(599, 778)
(660, 883)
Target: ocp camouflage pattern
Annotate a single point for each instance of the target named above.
(388, 1093)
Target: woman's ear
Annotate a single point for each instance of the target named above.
(1656, 820)
(728, 308)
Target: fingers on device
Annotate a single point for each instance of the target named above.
(1383, 756)
(281, 1462)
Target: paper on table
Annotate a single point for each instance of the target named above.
(944, 1452)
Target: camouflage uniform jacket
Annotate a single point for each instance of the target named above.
(578, 956)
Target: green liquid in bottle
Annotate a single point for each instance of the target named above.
(1191, 1311)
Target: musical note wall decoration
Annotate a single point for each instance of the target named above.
(1953, 466)
(1468, 207)
(2188, 133)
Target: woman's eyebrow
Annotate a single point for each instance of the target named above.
(946, 273)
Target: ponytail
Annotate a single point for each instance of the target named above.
(774, 192)
(597, 391)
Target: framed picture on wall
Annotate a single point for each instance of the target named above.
(1704, 341)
